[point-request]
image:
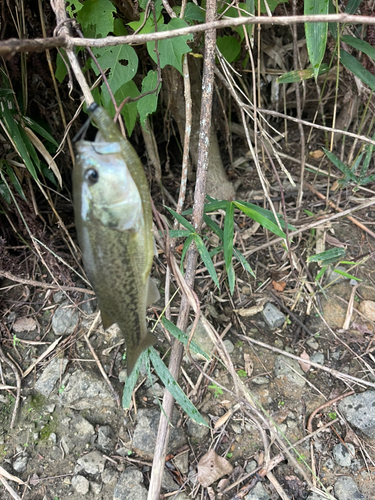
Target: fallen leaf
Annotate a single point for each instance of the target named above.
(361, 327)
(305, 366)
(250, 311)
(367, 308)
(211, 493)
(24, 325)
(279, 285)
(212, 467)
(318, 153)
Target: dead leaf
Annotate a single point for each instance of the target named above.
(249, 365)
(212, 467)
(222, 484)
(279, 285)
(351, 437)
(211, 493)
(361, 327)
(25, 325)
(367, 308)
(334, 241)
(305, 366)
(318, 153)
(250, 311)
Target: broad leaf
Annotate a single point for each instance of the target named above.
(98, 16)
(148, 104)
(203, 252)
(229, 47)
(316, 33)
(333, 253)
(353, 65)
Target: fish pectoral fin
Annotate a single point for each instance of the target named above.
(106, 320)
(153, 294)
(133, 352)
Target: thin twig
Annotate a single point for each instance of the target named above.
(325, 405)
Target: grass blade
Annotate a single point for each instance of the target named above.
(333, 253)
(182, 337)
(181, 220)
(203, 252)
(340, 165)
(263, 221)
(316, 33)
(353, 65)
(173, 387)
(131, 381)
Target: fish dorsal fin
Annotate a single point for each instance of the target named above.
(153, 294)
(106, 320)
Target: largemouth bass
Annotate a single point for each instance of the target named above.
(114, 226)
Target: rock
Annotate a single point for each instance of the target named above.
(145, 433)
(261, 380)
(168, 483)
(273, 317)
(130, 486)
(92, 463)
(367, 308)
(202, 338)
(317, 357)
(252, 465)
(86, 390)
(109, 476)
(51, 374)
(89, 304)
(80, 433)
(346, 489)
(52, 437)
(333, 277)
(96, 488)
(181, 462)
(359, 411)
(329, 464)
(229, 346)
(25, 325)
(313, 344)
(237, 429)
(343, 454)
(282, 370)
(80, 484)
(20, 463)
(106, 438)
(257, 493)
(316, 496)
(198, 431)
(65, 319)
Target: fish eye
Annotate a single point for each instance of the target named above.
(92, 175)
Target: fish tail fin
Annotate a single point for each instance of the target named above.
(134, 353)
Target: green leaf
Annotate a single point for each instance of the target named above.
(304, 74)
(316, 33)
(353, 65)
(340, 165)
(4, 192)
(171, 51)
(185, 248)
(347, 275)
(360, 45)
(193, 13)
(229, 47)
(132, 380)
(72, 7)
(173, 387)
(122, 61)
(181, 220)
(148, 104)
(352, 6)
(178, 233)
(97, 15)
(272, 4)
(203, 252)
(231, 277)
(129, 111)
(15, 132)
(267, 214)
(243, 261)
(320, 273)
(333, 253)
(261, 219)
(182, 337)
(14, 180)
(228, 235)
(212, 225)
(39, 130)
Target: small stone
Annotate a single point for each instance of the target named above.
(80, 484)
(168, 483)
(52, 438)
(329, 464)
(89, 304)
(65, 319)
(258, 493)
(96, 488)
(109, 476)
(252, 465)
(318, 358)
(261, 380)
(86, 390)
(229, 346)
(343, 454)
(51, 374)
(198, 431)
(20, 463)
(313, 344)
(25, 325)
(236, 428)
(359, 411)
(122, 376)
(106, 438)
(273, 317)
(181, 462)
(130, 486)
(282, 369)
(50, 408)
(59, 297)
(346, 489)
(367, 308)
(92, 463)
(333, 277)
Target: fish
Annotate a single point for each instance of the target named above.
(113, 219)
